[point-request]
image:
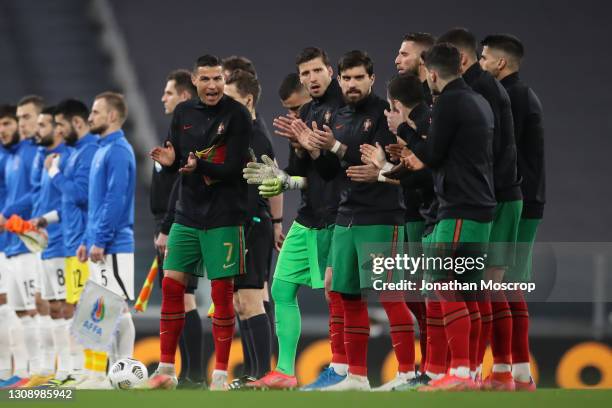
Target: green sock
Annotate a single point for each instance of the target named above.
(288, 324)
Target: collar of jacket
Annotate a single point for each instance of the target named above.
(510, 79)
(333, 91)
(213, 108)
(111, 137)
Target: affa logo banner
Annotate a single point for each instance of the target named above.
(96, 316)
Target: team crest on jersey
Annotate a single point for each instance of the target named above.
(221, 129)
(367, 125)
(327, 116)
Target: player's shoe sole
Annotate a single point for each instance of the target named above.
(327, 378)
(38, 380)
(161, 382)
(450, 383)
(274, 380)
(529, 386)
(350, 383)
(499, 382)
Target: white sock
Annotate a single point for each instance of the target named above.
(61, 338)
(18, 346)
(126, 335)
(358, 377)
(46, 326)
(408, 375)
(501, 368)
(521, 372)
(339, 368)
(461, 372)
(219, 373)
(77, 354)
(32, 342)
(166, 368)
(5, 343)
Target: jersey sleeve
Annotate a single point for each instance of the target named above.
(116, 196)
(237, 143)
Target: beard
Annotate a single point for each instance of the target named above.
(98, 130)
(353, 96)
(44, 141)
(13, 141)
(71, 138)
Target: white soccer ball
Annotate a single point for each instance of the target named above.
(127, 373)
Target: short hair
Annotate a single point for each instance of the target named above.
(49, 110)
(116, 101)
(425, 40)
(461, 38)
(406, 88)
(8, 111)
(506, 43)
(182, 81)
(71, 108)
(356, 58)
(445, 58)
(246, 84)
(38, 101)
(207, 60)
(310, 53)
(290, 85)
(237, 62)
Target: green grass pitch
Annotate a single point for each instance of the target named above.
(287, 399)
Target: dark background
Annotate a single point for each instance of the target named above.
(53, 48)
(567, 63)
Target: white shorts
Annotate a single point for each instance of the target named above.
(4, 277)
(22, 270)
(116, 274)
(53, 279)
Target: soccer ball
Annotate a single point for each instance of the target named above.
(127, 373)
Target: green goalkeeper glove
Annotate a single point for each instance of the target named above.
(275, 186)
(256, 173)
(272, 180)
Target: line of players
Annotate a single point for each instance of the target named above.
(455, 156)
(72, 172)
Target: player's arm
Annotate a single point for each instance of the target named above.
(170, 212)
(373, 161)
(77, 187)
(298, 162)
(22, 206)
(433, 150)
(169, 155)
(115, 198)
(237, 146)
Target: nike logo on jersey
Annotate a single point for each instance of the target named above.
(339, 126)
(187, 127)
(228, 266)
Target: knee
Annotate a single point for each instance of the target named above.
(42, 306)
(237, 304)
(68, 310)
(222, 291)
(251, 305)
(281, 295)
(180, 277)
(190, 302)
(55, 309)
